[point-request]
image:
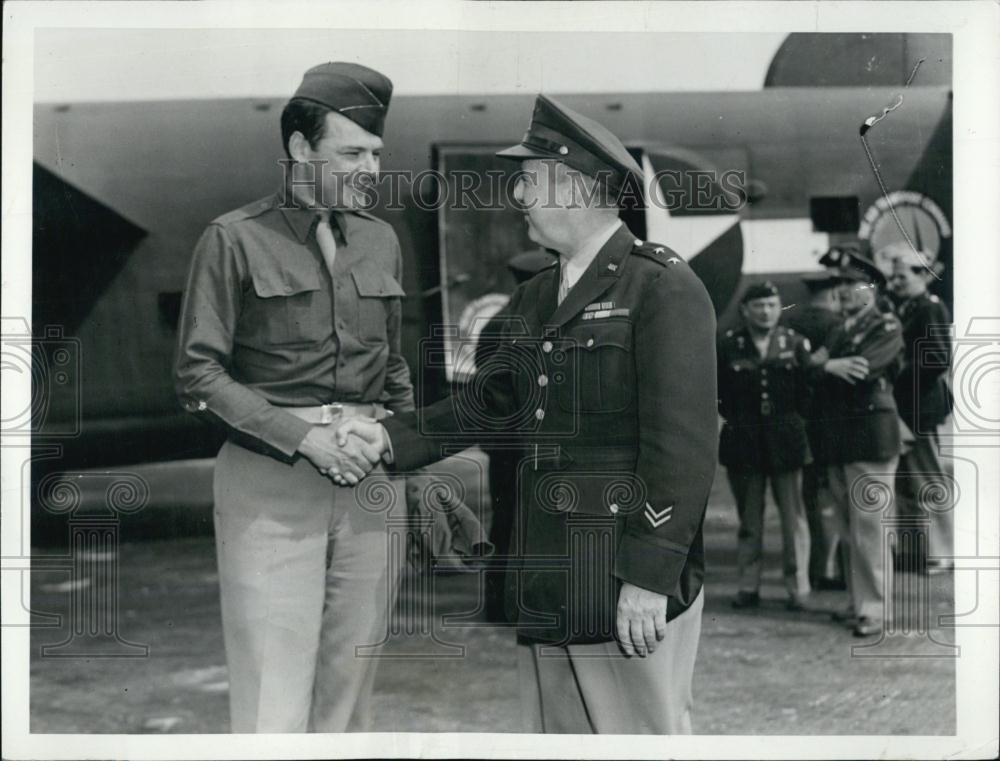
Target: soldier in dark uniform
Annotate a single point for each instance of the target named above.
(858, 432)
(291, 320)
(814, 320)
(609, 381)
(762, 394)
(924, 400)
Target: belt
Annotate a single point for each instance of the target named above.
(330, 413)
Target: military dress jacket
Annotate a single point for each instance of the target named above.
(612, 394)
(858, 423)
(922, 391)
(762, 400)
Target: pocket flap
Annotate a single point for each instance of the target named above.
(270, 280)
(372, 282)
(598, 334)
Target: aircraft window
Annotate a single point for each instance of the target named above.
(835, 214)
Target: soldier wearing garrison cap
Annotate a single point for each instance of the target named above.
(606, 378)
(291, 322)
(763, 393)
(857, 430)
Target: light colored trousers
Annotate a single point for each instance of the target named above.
(863, 494)
(305, 587)
(748, 488)
(596, 689)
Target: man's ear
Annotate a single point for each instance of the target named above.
(298, 146)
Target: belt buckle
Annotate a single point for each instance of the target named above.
(330, 412)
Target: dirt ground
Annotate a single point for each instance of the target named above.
(767, 671)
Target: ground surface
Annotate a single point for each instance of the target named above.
(762, 672)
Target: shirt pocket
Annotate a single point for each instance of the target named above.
(377, 292)
(287, 305)
(600, 367)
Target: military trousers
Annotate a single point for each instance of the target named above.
(748, 488)
(924, 488)
(596, 689)
(826, 546)
(306, 588)
(863, 494)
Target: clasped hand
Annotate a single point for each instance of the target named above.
(347, 452)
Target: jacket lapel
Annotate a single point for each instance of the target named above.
(602, 273)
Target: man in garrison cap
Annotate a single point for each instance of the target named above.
(814, 319)
(291, 323)
(606, 378)
(858, 433)
(763, 393)
(924, 399)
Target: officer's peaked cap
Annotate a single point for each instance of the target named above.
(558, 132)
(352, 90)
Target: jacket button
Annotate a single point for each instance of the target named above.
(613, 507)
(543, 380)
(546, 346)
(539, 413)
(590, 342)
(763, 382)
(763, 395)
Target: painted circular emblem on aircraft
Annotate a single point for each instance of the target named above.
(925, 223)
(474, 318)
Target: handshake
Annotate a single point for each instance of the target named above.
(346, 452)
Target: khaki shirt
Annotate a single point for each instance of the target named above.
(265, 326)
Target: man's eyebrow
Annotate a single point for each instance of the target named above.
(361, 147)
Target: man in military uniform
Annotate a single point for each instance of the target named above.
(814, 320)
(609, 382)
(762, 394)
(924, 399)
(858, 432)
(291, 320)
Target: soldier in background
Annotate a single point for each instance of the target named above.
(858, 432)
(923, 397)
(762, 394)
(815, 320)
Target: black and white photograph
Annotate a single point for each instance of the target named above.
(501, 379)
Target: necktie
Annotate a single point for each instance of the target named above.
(325, 239)
(563, 286)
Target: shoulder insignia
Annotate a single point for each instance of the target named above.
(890, 325)
(659, 254)
(806, 345)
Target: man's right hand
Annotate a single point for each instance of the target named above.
(346, 464)
(849, 369)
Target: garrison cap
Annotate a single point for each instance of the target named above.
(763, 290)
(560, 133)
(352, 90)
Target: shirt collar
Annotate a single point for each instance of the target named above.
(576, 265)
(302, 218)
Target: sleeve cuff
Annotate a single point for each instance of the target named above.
(650, 565)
